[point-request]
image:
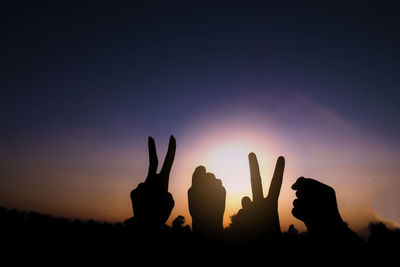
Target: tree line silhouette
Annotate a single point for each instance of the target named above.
(254, 228)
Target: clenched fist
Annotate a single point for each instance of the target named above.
(206, 203)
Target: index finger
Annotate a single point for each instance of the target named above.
(169, 160)
(276, 183)
(153, 160)
(299, 183)
(255, 178)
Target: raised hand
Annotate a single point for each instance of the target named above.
(151, 202)
(259, 218)
(206, 203)
(315, 205)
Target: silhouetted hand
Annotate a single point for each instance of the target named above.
(206, 203)
(151, 202)
(316, 204)
(259, 218)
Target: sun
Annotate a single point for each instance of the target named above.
(228, 161)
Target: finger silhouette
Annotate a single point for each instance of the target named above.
(299, 184)
(169, 160)
(276, 183)
(255, 178)
(246, 202)
(198, 175)
(153, 160)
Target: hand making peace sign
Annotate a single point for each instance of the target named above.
(259, 218)
(151, 202)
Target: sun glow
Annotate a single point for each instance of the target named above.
(222, 145)
(229, 162)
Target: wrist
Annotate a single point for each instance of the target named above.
(207, 228)
(327, 226)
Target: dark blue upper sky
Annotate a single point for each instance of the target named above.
(108, 66)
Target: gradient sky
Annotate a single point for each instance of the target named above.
(83, 85)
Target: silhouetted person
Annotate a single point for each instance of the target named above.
(259, 218)
(316, 206)
(151, 202)
(206, 199)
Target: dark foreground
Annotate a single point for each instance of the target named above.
(36, 237)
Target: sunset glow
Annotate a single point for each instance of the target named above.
(229, 161)
(83, 90)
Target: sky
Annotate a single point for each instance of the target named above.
(84, 84)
